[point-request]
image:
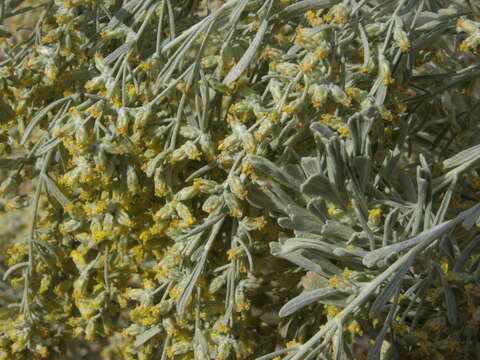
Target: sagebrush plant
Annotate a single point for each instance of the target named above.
(240, 179)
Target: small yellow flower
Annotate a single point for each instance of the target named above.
(333, 211)
(260, 222)
(344, 131)
(42, 351)
(331, 311)
(347, 273)
(175, 292)
(375, 215)
(292, 343)
(334, 282)
(354, 328)
(444, 266)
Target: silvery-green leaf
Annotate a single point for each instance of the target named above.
(407, 186)
(390, 220)
(462, 157)
(319, 186)
(147, 335)
(270, 169)
(307, 298)
(312, 281)
(295, 210)
(334, 228)
(294, 49)
(37, 118)
(192, 280)
(174, 60)
(463, 257)
(293, 244)
(336, 153)
(247, 57)
(471, 219)
(202, 342)
(450, 302)
(375, 351)
(120, 51)
(257, 198)
(426, 236)
(442, 210)
(248, 253)
(296, 172)
(381, 94)
(209, 222)
(362, 167)
(301, 7)
(318, 208)
(283, 197)
(429, 37)
(366, 46)
(49, 145)
(53, 249)
(387, 293)
(123, 13)
(197, 270)
(12, 268)
(55, 191)
(296, 258)
(390, 162)
(310, 165)
(340, 251)
(339, 345)
(322, 130)
(197, 28)
(300, 223)
(275, 354)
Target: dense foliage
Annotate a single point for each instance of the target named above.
(237, 179)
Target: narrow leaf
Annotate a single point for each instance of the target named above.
(247, 57)
(147, 335)
(306, 299)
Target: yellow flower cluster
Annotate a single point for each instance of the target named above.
(170, 169)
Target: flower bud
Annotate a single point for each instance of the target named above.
(187, 193)
(207, 146)
(165, 213)
(132, 179)
(466, 25)
(287, 69)
(96, 83)
(375, 29)
(191, 150)
(401, 38)
(339, 95)
(206, 186)
(212, 202)
(276, 89)
(385, 71)
(123, 121)
(142, 117)
(237, 187)
(319, 95)
(184, 212)
(233, 204)
(217, 284)
(160, 183)
(209, 61)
